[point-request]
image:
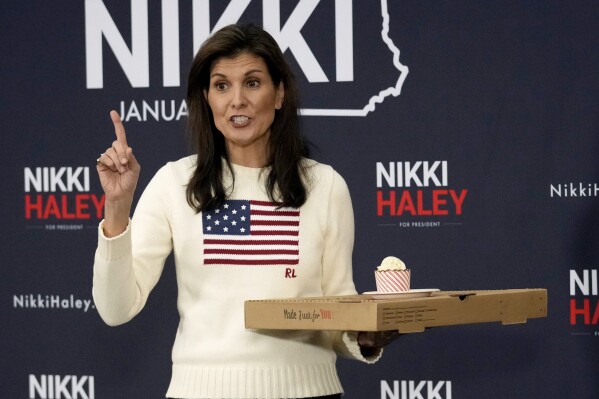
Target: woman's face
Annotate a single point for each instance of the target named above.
(243, 100)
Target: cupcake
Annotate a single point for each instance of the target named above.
(392, 276)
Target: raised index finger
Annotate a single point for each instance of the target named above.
(119, 129)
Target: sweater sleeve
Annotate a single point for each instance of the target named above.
(127, 267)
(337, 277)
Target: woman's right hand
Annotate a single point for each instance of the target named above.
(119, 172)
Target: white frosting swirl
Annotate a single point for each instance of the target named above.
(391, 263)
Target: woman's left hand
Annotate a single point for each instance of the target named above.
(372, 341)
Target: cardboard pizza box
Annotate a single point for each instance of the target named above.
(408, 312)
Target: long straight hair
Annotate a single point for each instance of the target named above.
(287, 147)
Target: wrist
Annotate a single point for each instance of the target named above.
(116, 217)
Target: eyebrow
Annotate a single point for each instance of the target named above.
(251, 71)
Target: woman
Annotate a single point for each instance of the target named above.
(239, 215)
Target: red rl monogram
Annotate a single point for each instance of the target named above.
(290, 273)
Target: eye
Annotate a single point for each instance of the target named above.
(253, 83)
(220, 86)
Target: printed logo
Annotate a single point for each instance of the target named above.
(59, 198)
(584, 302)
(417, 193)
(416, 390)
(58, 386)
(574, 190)
(325, 76)
(51, 301)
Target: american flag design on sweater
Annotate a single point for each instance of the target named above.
(251, 233)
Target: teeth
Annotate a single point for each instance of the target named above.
(239, 120)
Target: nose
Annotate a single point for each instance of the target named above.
(238, 99)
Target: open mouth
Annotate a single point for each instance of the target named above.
(239, 120)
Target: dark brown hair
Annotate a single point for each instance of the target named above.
(286, 147)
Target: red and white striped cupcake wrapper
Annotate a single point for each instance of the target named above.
(392, 280)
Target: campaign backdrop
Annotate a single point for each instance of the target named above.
(467, 132)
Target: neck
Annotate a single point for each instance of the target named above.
(250, 159)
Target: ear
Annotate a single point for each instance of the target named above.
(280, 96)
(205, 94)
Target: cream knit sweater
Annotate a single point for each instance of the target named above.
(214, 356)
